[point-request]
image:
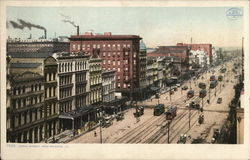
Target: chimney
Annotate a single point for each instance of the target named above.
(77, 32)
(45, 34)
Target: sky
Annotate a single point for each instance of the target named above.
(156, 25)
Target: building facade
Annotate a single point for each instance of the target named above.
(108, 85)
(119, 52)
(26, 110)
(205, 47)
(143, 65)
(95, 79)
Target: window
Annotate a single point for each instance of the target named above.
(108, 61)
(118, 77)
(104, 61)
(94, 46)
(124, 85)
(74, 47)
(118, 62)
(118, 69)
(78, 47)
(108, 54)
(118, 85)
(104, 54)
(113, 62)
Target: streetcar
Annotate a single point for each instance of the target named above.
(223, 70)
(202, 85)
(202, 93)
(213, 84)
(220, 78)
(190, 94)
(212, 78)
(159, 109)
(171, 112)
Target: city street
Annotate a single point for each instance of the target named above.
(153, 129)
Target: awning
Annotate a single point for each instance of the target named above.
(78, 112)
(154, 88)
(114, 102)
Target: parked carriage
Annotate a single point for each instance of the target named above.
(139, 111)
(190, 94)
(171, 113)
(159, 109)
(202, 93)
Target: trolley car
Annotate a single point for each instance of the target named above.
(212, 78)
(202, 85)
(159, 109)
(190, 94)
(220, 78)
(171, 112)
(202, 93)
(213, 84)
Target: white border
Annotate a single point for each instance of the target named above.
(128, 151)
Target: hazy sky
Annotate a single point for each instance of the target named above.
(156, 25)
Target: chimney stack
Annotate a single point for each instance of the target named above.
(45, 34)
(77, 27)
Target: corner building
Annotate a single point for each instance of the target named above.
(118, 52)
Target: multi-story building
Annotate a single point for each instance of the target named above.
(36, 46)
(32, 109)
(95, 79)
(206, 47)
(143, 68)
(51, 107)
(119, 52)
(199, 57)
(73, 86)
(152, 71)
(26, 110)
(108, 85)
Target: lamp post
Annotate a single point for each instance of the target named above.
(189, 116)
(169, 122)
(101, 131)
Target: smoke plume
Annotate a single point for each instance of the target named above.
(71, 22)
(23, 24)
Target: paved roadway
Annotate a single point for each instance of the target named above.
(152, 129)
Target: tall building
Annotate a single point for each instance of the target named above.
(119, 52)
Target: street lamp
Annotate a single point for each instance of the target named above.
(169, 122)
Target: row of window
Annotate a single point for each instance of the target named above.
(50, 92)
(80, 102)
(26, 117)
(26, 89)
(66, 106)
(104, 46)
(66, 79)
(50, 77)
(95, 94)
(109, 97)
(95, 79)
(81, 77)
(68, 66)
(23, 102)
(81, 89)
(65, 92)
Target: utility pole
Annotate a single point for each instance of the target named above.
(101, 131)
(168, 131)
(170, 92)
(189, 116)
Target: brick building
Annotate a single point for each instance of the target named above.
(119, 52)
(205, 47)
(171, 51)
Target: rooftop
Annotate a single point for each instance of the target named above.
(29, 54)
(25, 65)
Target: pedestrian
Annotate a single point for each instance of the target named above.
(95, 134)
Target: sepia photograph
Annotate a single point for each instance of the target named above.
(125, 74)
